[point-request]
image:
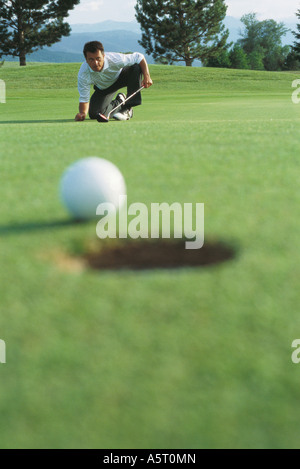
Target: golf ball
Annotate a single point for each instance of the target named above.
(89, 182)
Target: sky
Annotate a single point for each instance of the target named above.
(95, 11)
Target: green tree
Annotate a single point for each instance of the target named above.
(221, 60)
(182, 30)
(27, 25)
(238, 57)
(296, 46)
(256, 59)
(262, 41)
(163, 61)
(292, 61)
(275, 58)
(249, 39)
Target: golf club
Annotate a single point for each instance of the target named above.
(103, 118)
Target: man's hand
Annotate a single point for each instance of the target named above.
(145, 71)
(83, 111)
(147, 82)
(80, 116)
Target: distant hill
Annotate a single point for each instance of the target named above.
(109, 25)
(234, 25)
(120, 37)
(69, 49)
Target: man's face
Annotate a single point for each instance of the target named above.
(95, 60)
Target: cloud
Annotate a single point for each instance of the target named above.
(91, 6)
(93, 11)
(265, 9)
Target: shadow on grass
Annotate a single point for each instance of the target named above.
(19, 228)
(49, 121)
(38, 121)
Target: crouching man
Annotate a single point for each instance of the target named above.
(109, 72)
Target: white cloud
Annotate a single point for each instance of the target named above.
(91, 6)
(94, 11)
(265, 9)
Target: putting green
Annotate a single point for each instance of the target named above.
(186, 358)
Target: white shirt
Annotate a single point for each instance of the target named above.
(113, 65)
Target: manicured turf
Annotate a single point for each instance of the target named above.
(190, 358)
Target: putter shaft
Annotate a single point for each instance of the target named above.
(127, 99)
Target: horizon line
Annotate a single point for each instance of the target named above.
(281, 19)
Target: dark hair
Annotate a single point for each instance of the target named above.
(93, 46)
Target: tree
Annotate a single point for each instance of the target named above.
(27, 25)
(161, 60)
(296, 46)
(182, 30)
(262, 42)
(234, 58)
(275, 58)
(221, 60)
(256, 59)
(292, 61)
(238, 57)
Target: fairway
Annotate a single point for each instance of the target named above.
(164, 358)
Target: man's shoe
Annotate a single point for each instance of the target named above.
(123, 115)
(121, 98)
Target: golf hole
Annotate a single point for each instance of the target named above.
(158, 254)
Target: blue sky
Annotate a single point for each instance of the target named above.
(95, 11)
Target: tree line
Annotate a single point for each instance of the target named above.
(188, 30)
(172, 31)
(259, 48)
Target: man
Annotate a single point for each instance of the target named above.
(109, 72)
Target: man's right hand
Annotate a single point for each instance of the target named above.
(80, 116)
(83, 112)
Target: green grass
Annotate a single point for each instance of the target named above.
(191, 358)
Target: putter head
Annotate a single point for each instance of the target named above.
(102, 118)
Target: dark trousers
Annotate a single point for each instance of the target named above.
(102, 100)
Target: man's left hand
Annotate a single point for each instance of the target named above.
(147, 82)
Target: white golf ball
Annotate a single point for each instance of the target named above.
(89, 182)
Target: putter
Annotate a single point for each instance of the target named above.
(103, 118)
